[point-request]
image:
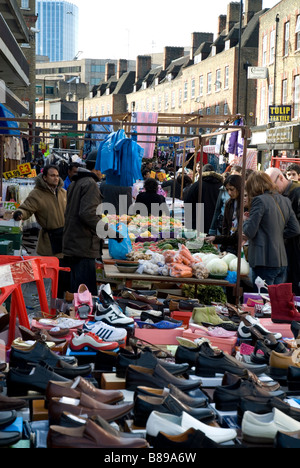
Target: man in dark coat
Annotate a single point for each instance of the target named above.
(211, 183)
(290, 189)
(81, 243)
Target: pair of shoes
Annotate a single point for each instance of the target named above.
(263, 405)
(90, 435)
(157, 378)
(216, 331)
(91, 341)
(279, 364)
(262, 428)
(83, 297)
(188, 440)
(74, 388)
(85, 406)
(206, 315)
(194, 402)
(145, 404)
(173, 425)
(255, 324)
(41, 353)
(145, 359)
(40, 334)
(161, 324)
(33, 378)
(187, 354)
(10, 438)
(106, 332)
(267, 385)
(293, 378)
(209, 363)
(7, 418)
(136, 313)
(227, 397)
(283, 307)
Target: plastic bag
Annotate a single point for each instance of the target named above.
(119, 250)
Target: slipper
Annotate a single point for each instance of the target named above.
(163, 324)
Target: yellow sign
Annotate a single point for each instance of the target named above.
(21, 171)
(280, 113)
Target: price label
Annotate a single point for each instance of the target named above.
(24, 168)
(11, 174)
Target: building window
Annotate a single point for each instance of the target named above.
(218, 80)
(270, 94)
(193, 88)
(25, 4)
(226, 81)
(166, 101)
(180, 98)
(264, 52)
(217, 109)
(185, 91)
(262, 105)
(159, 103)
(284, 92)
(173, 99)
(153, 104)
(272, 46)
(286, 38)
(225, 108)
(208, 83)
(297, 32)
(297, 96)
(201, 85)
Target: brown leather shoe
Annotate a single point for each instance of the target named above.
(74, 388)
(10, 404)
(89, 436)
(39, 334)
(280, 362)
(86, 406)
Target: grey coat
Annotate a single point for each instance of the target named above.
(271, 220)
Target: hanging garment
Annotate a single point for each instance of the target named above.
(146, 141)
(93, 140)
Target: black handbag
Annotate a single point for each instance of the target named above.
(56, 236)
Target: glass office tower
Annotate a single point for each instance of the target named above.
(58, 26)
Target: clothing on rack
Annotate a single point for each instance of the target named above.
(93, 140)
(146, 141)
(120, 159)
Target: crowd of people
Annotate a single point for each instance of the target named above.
(67, 212)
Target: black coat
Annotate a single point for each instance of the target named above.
(148, 199)
(211, 183)
(293, 245)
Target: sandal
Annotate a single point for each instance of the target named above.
(138, 344)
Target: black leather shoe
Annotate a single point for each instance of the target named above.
(144, 405)
(261, 405)
(269, 385)
(210, 363)
(189, 440)
(193, 402)
(9, 438)
(227, 397)
(184, 354)
(36, 378)
(40, 352)
(7, 418)
(157, 378)
(105, 360)
(287, 440)
(145, 359)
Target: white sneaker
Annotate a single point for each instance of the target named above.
(62, 322)
(106, 288)
(112, 315)
(130, 312)
(91, 340)
(174, 425)
(256, 321)
(262, 428)
(106, 332)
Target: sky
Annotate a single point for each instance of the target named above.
(129, 28)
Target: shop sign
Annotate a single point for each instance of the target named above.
(21, 171)
(283, 134)
(257, 73)
(280, 113)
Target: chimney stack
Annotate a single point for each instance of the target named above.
(170, 54)
(233, 15)
(122, 68)
(251, 7)
(109, 70)
(198, 39)
(221, 23)
(143, 66)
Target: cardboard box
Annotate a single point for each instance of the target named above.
(183, 315)
(283, 328)
(110, 381)
(156, 336)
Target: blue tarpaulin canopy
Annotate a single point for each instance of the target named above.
(12, 128)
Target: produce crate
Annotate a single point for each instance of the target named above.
(6, 247)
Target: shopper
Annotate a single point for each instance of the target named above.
(271, 220)
(211, 183)
(81, 243)
(149, 201)
(47, 202)
(290, 189)
(293, 172)
(228, 239)
(72, 170)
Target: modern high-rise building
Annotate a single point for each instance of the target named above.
(58, 29)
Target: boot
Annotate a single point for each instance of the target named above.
(283, 309)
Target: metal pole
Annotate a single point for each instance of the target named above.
(239, 58)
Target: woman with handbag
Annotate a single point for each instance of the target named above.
(270, 221)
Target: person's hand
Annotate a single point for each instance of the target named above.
(246, 215)
(210, 239)
(244, 239)
(17, 216)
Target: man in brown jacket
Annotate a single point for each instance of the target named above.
(47, 201)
